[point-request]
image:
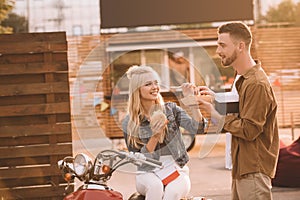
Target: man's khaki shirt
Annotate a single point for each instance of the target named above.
(255, 140)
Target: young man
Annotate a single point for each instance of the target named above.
(255, 140)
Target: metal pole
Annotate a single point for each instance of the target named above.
(292, 125)
(28, 14)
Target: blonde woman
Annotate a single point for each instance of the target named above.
(160, 139)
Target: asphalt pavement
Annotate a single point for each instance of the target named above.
(208, 174)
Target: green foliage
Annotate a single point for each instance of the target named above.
(5, 8)
(286, 11)
(19, 24)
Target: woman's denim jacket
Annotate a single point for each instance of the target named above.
(177, 117)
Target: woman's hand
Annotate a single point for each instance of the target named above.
(158, 130)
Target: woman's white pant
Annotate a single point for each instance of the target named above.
(150, 185)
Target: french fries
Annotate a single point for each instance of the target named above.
(156, 117)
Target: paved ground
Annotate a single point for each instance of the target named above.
(208, 174)
(207, 169)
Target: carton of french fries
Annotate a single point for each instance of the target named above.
(156, 117)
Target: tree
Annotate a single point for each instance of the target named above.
(5, 7)
(286, 11)
(19, 24)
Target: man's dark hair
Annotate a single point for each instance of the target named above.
(238, 31)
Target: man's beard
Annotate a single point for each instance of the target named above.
(230, 60)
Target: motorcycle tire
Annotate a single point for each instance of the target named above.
(136, 196)
(189, 141)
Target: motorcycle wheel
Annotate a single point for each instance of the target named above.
(136, 196)
(189, 141)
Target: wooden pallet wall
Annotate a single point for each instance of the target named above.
(35, 123)
(279, 51)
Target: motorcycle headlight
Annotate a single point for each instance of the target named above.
(82, 164)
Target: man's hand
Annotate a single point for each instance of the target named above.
(204, 90)
(208, 108)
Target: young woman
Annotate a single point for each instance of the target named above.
(143, 135)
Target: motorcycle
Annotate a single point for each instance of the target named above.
(95, 175)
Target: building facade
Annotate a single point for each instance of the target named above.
(76, 17)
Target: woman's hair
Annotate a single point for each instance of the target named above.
(136, 76)
(238, 31)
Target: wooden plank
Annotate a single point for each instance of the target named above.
(32, 78)
(34, 140)
(32, 47)
(35, 130)
(288, 52)
(32, 68)
(62, 97)
(34, 109)
(23, 120)
(31, 58)
(32, 99)
(29, 182)
(56, 192)
(32, 151)
(32, 37)
(23, 161)
(29, 172)
(60, 77)
(21, 79)
(27, 99)
(32, 119)
(62, 118)
(36, 88)
(12, 162)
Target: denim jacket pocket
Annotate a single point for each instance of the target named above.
(172, 125)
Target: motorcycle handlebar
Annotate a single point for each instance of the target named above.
(154, 161)
(137, 157)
